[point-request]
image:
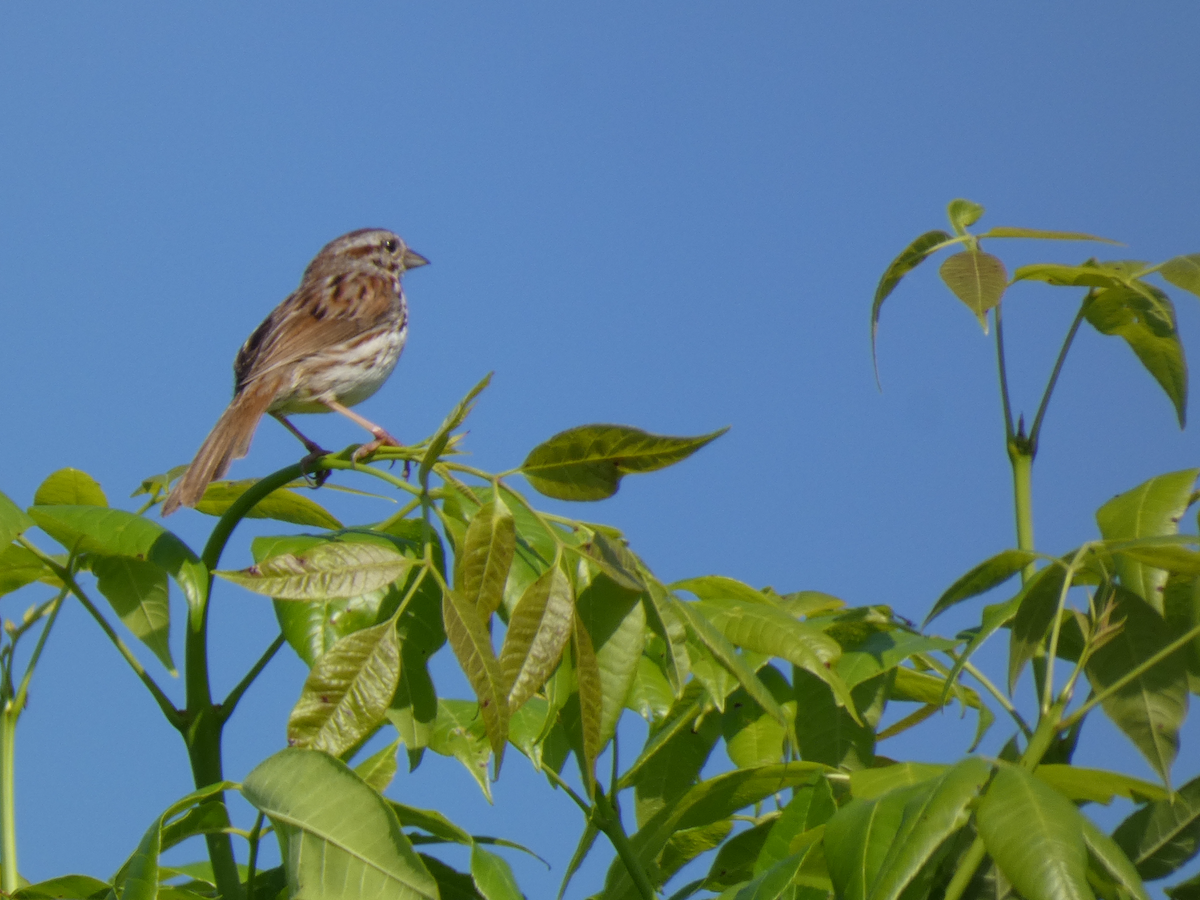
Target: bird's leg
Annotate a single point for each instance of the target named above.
(382, 438)
(315, 452)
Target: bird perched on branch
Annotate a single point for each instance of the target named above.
(331, 344)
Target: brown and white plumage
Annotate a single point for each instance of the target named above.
(331, 344)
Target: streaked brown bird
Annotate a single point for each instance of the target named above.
(329, 345)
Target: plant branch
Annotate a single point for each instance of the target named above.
(608, 820)
(1136, 672)
(1036, 429)
(1009, 432)
(999, 697)
(164, 702)
(229, 704)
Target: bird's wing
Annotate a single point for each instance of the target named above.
(320, 315)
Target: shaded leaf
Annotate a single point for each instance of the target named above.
(1116, 865)
(472, 645)
(588, 462)
(334, 830)
(1163, 836)
(858, 838)
(910, 257)
(734, 862)
(810, 806)
(1037, 607)
(752, 736)
(348, 691)
(19, 567)
(1035, 836)
(988, 574)
(976, 278)
(137, 590)
(615, 621)
(1150, 708)
(614, 559)
(1097, 785)
(64, 887)
(1146, 320)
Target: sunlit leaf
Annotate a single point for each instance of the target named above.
(1097, 785)
(342, 567)
(976, 278)
(1004, 231)
(472, 645)
(347, 691)
(380, 767)
(1183, 272)
(810, 806)
(282, 505)
(335, 830)
(615, 621)
(1090, 274)
(458, 731)
(538, 629)
(672, 635)
(486, 555)
(492, 875)
(588, 462)
(752, 736)
(858, 838)
(963, 214)
(1151, 509)
(1112, 859)
(13, 521)
(441, 437)
(19, 567)
(70, 487)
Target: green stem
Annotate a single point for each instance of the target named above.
(1022, 468)
(608, 820)
(1036, 430)
(966, 870)
(231, 701)
(252, 865)
(999, 697)
(8, 812)
(1008, 417)
(1056, 629)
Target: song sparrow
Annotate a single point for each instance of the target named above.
(328, 346)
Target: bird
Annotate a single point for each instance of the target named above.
(329, 345)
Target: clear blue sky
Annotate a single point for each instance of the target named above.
(671, 215)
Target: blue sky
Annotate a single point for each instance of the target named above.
(670, 215)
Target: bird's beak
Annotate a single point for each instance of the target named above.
(411, 259)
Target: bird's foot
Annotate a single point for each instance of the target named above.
(315, 452)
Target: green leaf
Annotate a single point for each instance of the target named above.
(988, 574)
(1003, 231)
(583, 711)
(810, 806)
(588, 462)
(773, 882)
(1097, 785)
(825, 730)
(1151, 708)
(710, 801)
(340, 568)
(885, 650)
(19, 567)
(995, 616)
(752, 736)
(726, 654)
(734, 862)
(486, 556)
(1113, 860)
(910, 257)
(13, 522)
(675, 768)
(1090, 274)
(870, 784)
(1183, 272)
(115, 532)
(70, 487)
(650, 695)
(452, 884)
(614, 559)
(1146, 320)
(685, 716)
(65, 887)
(458, 732)
(492, 875)
(671, 652)
(615, 621)
(718, 587)
(765, 629)
(976, 278)
(858, 838)
(334, 830)
(472, 645)
(1151, 509)
(1035, 837)
(1185, 890)
(378, 769)
(686, 845)
(348, 691)
(1038, 606)
(1171, 558)
(538, 629)
(1163, 836)
(282, 505)
(432, 821)
(963, 214)
(441, 437)
(137, 590)
(929, 819)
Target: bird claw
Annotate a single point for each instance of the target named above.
(315, 452)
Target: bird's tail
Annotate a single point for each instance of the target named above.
(229, 440)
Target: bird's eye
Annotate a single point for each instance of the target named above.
(390, 245)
